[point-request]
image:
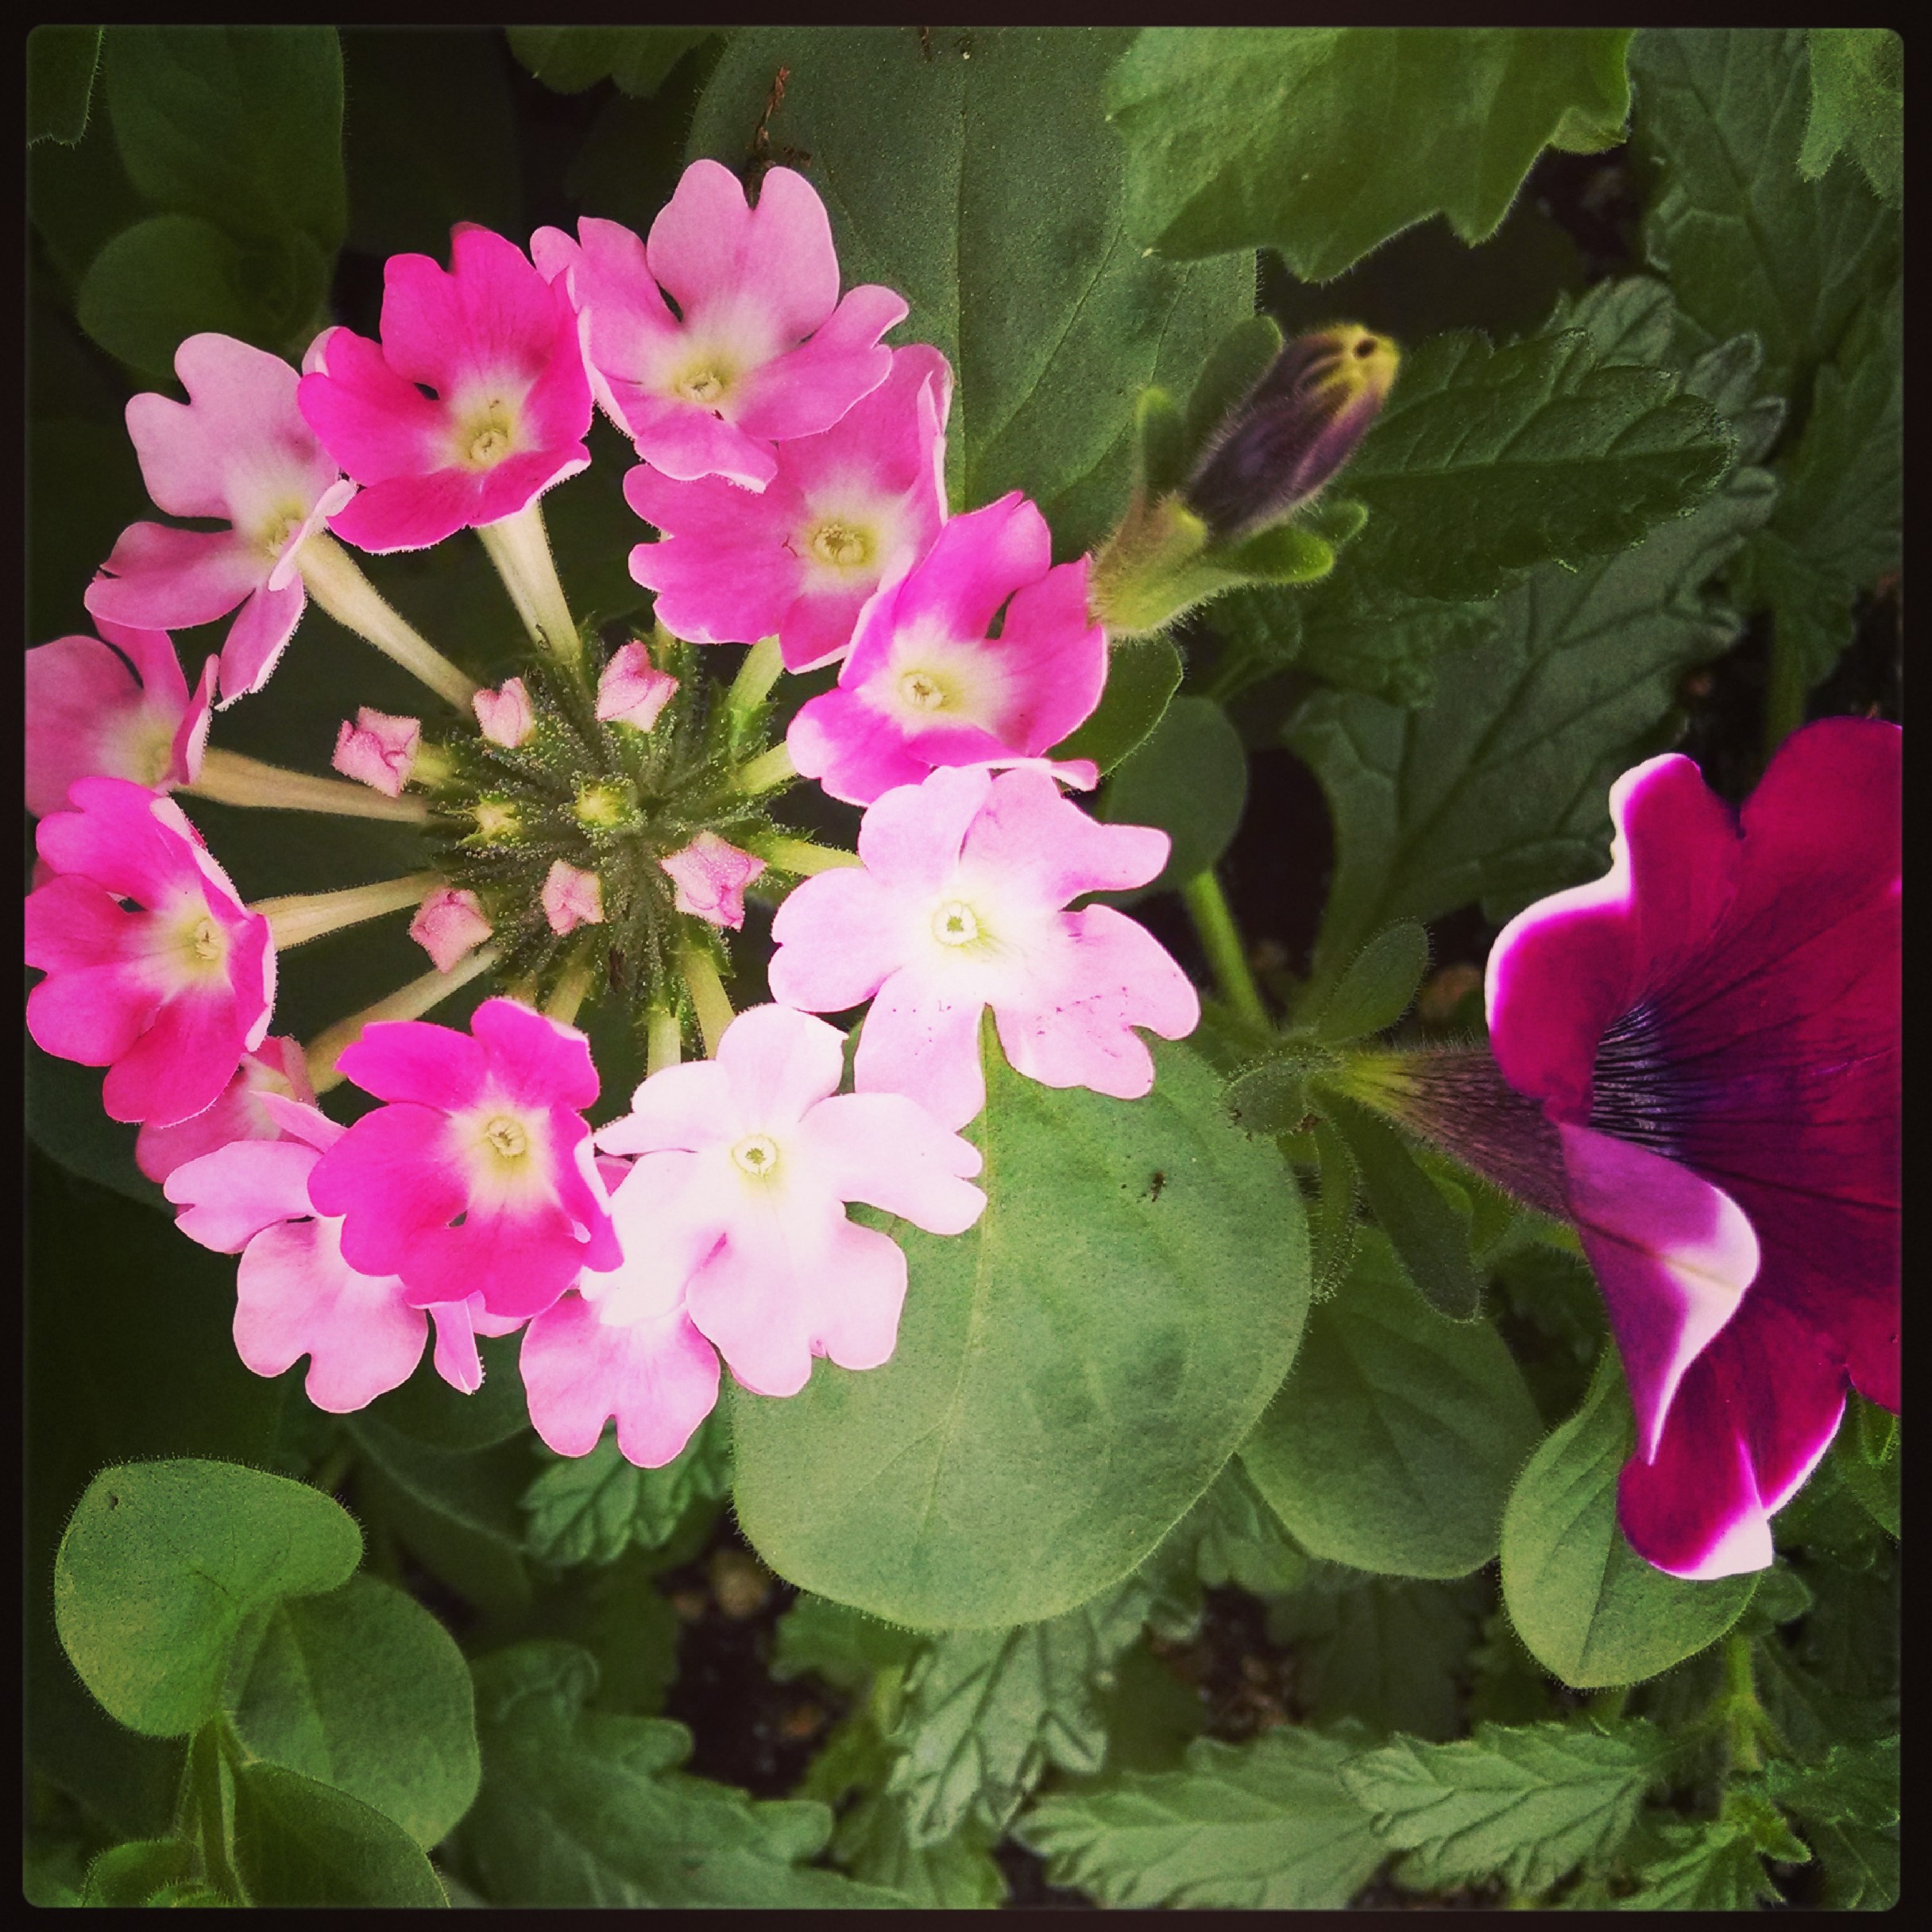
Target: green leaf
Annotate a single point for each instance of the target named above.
(1860, 1867)
(1264, 1825)
(958, 1874)
(570, 59)
(1496, 790)
(1189, 777)
(1142, 674)
(428, 1410)
(1587, 1606)
(844, 1646)
(1854, 1784)
(1857, 101)
(362, 1689)
(240, 124)
(162, 1562)
(1744, 242)
(1324, 141)
(1240, 1540)
(579, 1807)
(1485, 460)
(300, 1842)
(1392, 1444)
(1070, 1372)
(131, 1874)
(1332, 1226)
(1527, 1805)
(591, 1508)
(1376, 990)
(1709, 1865)
(934, 154)
(60, 64)
(1430, 1242)
(986, 1711)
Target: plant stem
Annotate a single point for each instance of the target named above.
(802, 857)
(756, 675)
(1208, 909)
(569, 991)
(229, 779)
(708, 997)
(766, 771)
(335, 581)
(519, 547)
(663, 1040)
(303, 916)
(407, 1002)
(1784, 693)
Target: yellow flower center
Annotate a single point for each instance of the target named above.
(922, 691)
(488, 447)
(954, 924)
(757, 1155)
(206, 942)
(840, 544)
(703, 386)
(508, 1138)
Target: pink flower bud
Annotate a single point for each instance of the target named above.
(378, 750)
(632, 690)
(448, 924)
(504, 716)
(572, 898)
(711, 875)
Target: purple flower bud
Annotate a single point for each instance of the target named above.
(1293, 431)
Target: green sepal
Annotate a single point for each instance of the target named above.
(1162, 431)
(1376, 990)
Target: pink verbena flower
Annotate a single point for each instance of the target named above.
(498, 347)
(277, 1067)
(738, 1201)
(476, 1177)
(89, 716)
(924, 686)
(449, 923)
(504, 716)
(958, 906)
(378, 750)
(1713, 1029)
(760, 348)
(295, 1294)
(155, 968)
(238, 450)
(631, 690)
(711, 875)
(847, 507)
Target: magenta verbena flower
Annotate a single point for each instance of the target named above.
(925, 685)
(275, 1068)
(1713, 1029)
(799, 562)
(296, 1295)
(960, 906)
(497, 345)
(760, 347)
(155, 968)
(476, 1176)
(737, 1203)
(237, 449)
(89, 715)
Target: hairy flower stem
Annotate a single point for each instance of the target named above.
(519, 547)
(1219, 937)
(334, 580)
(756, 675)
(766, 771)
(569, 993)
(801, 856)
(229, 779)
(709, 999)
(303, 916)
(663, 1040)
(407, 1002)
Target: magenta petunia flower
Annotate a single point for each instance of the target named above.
(957, 907)
(276, 1067)
(295, 1294)
(760, 347)
(89, 716)
(155, 968)
(378, 750)
(238, 450)
(851, 505)
(497, 345)
(924, 686)
(738, 1198)
(1713, 1029)
(476, 1177)
(711, 875)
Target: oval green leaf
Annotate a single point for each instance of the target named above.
(1189, 777)
(1071, 1372)
(1142, 674)
(299, 1842)
(1587, 1606)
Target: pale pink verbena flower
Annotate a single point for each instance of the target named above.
(498, 347)
(476, 1176)
(450, 923)
(155, 968)
(504, 716)
(295, 1294)
(90, 715)
(958, 906)
(631, 690)
(737, 1202)
(276, 1067)
(848, 507)
(760, 348)
(571, 898)
(237, 449)
(378, 750)
(925, 685)
(711, 875)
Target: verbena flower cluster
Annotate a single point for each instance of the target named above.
(597, 820)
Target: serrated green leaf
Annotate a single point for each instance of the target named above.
(1392, 1443)
(361, 1688)
(60, 65)
(1376, 990)
(1706, 1866)
(581, 1808)
(1528, 1805)
(958, 1874)
(931, 153)
(592, 1508)
(162, 1563)
(1853, 1785)
(1588, 1606)
(1324, 141)
(1070, 1372)
(1857, 103)
(1142, 675)
(1745, 243)
(844, 1646)
(1497, 790)
(1188, 777)
(571, 59)
(298, 1842)
(1264, 1825)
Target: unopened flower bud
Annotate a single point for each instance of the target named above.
(504, 716)
(711, 875)
(572, 898)
(378, 750)
(448, 923)
(632, 691)
(1293, 431)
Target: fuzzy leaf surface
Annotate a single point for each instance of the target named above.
(1857, 103)
(590, 1509)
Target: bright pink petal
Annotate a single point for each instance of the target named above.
(723, 572)
(122, 837)
(373, 421)
(977, 562)
(161, 578)
(275, 1069)
(411, 512)
(535, 1059)
(257, 638)
(387, 1181)
(1065, 656)
(73, 924)
(854, 752)
(491, 316)
(519, 1262)
(687, 441)
(1029, 832)
(808, 389)
(413, 1060)
(180, 1064)
(92, 1014)
(78, 694)
(229, 1196)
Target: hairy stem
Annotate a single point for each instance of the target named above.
(708, 997)
(519, 547)
(303, 916)
(766, 771)
(407, 1002)
(1208, 909)
(336, 582)
(802, 857)
(663, 1040)
(229, 779)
